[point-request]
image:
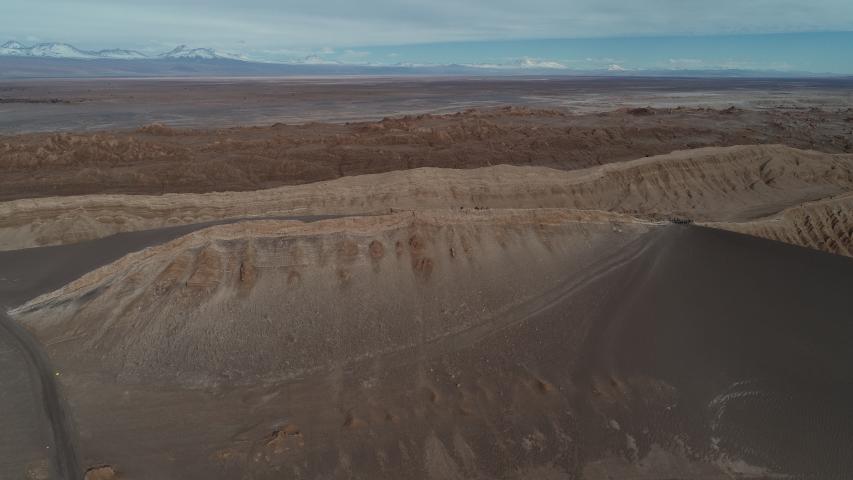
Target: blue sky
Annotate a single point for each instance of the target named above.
(575, 34)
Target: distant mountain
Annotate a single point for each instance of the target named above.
(120, 54)
(63, 60)
(12, 45)
(184, 52)
(64, 50)
(51, 50)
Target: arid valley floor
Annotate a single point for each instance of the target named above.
(576, 278)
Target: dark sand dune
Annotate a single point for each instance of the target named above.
(626, 350)
(754, 334)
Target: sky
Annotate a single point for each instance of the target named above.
(795, 35)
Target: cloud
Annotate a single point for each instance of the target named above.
(344, 23)
(526, 63)
(356, 53)
(686, 62)
(639, 34)
(316, 60)
(725, 64)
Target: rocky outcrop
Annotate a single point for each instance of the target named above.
(823, 225)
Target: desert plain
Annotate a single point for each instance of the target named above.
(467, 278)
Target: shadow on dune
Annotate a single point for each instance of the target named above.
(754, 338)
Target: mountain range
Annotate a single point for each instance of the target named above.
(66, 51)
(64, 60)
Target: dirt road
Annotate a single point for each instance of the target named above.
(63, 448)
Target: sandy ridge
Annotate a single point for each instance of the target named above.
(357, 226)
(708, 184)
(825, 224)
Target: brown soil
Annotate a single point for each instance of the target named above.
(102, 472)
(157, 159)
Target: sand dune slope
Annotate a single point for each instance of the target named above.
(178, 310)
(478, 344)
(709, 184)
(234, 349)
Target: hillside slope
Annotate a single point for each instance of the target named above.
(497, 344)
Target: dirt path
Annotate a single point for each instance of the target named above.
(65, 463)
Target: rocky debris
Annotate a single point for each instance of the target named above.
(101, 472)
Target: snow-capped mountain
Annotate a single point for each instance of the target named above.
(13, 45)
(184, 52)
(52, 50)
(58, 50)
(64, 50)
(121, 54)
